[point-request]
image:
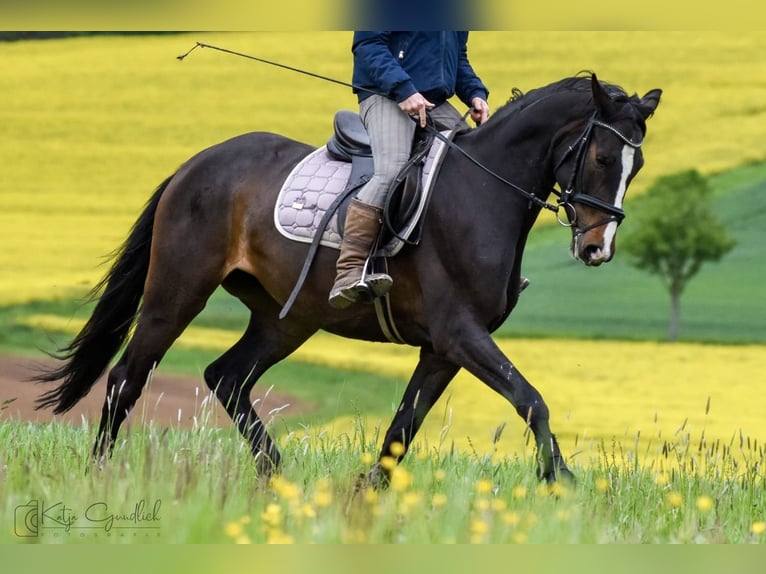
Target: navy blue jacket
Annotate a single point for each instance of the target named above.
(398, 64)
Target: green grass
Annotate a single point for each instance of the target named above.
(200, 486)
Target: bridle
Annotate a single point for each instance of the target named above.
(572, 193)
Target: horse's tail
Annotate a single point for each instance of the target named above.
(88, 355)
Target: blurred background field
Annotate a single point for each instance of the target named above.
(89, 126)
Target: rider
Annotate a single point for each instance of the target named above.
(407, 74)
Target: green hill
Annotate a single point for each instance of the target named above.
(723, 304)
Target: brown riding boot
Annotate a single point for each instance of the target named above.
(362, 226)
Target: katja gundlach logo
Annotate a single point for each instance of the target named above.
(39, 518)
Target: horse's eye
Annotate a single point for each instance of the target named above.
(604, 160)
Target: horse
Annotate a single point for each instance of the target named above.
(211, 223)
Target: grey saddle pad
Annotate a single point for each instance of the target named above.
(313, 185)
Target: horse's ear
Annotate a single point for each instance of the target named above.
(604, 104)
(649, 103)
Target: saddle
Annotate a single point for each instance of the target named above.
(312, 205)
(351, 142)
(324, 183)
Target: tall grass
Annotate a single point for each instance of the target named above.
(199, 485)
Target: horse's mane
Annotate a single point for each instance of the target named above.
(580, 84)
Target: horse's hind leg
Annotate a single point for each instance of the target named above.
(431, 377)
(173, 296)
(266, 341)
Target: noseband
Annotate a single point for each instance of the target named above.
(572, 193)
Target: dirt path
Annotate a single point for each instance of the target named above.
(170, 400)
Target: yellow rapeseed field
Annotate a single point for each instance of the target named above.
(89, 126)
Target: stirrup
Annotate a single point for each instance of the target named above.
(375, 285)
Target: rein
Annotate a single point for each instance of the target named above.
(568, 196)
(530, 196)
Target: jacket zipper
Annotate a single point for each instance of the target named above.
(443, 50)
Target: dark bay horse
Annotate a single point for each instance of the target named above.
(211, 223)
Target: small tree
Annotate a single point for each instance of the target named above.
(673, 231)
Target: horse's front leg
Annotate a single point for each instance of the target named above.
(431, 377)
(472, 347)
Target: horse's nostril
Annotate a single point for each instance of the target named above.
(592, 252)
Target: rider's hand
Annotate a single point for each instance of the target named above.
(416, 105)
(479, 110)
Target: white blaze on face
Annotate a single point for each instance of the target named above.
(627, 167)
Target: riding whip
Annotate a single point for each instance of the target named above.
(278, 65)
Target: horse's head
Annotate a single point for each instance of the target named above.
(594, 166)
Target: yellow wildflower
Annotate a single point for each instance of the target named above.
(396, 449)
(440, 474)
(479, 527)
(322, 495)
(758, 527)
(368, 458)
(498, 504)
(388, 462)
(511, 518)
(411, 498)
(401, 479)
(323, 498)
(409, 501)
(662, 479)
(484, 486)
(244, 539)
(233, 529)
(602, 484)
(287, 490)
(482, 504)
(704, 504)
(370, 495)
(439, 499)
(557, 489)
(277, 536)
(272, 514)
(674, 499)
(519, 492)
(308, 511)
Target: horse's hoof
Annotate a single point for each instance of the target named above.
(266, 465)
(375, 478)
